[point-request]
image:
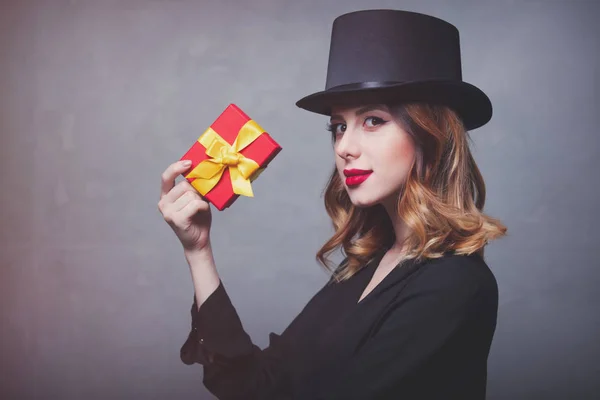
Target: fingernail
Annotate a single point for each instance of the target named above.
(187, 163)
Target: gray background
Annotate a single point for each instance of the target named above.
(97, 98)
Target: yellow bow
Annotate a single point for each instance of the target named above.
(223, 155)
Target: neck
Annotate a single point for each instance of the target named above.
(400, 228)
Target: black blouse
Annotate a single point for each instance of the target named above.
(423, 333)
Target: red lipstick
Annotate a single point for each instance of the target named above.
(356, 176)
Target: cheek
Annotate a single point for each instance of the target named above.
(338, 164)
(398, 156)
(408, 152)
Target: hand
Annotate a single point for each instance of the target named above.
(184, 209)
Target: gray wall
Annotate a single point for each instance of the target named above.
(97, 98)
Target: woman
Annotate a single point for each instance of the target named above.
(411, 311)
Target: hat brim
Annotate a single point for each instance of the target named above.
(469, 102)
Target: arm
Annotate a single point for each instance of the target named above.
(205, 277)
(234, 368)
(431, 309)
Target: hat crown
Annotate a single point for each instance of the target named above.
(394, 57)
(373, 46)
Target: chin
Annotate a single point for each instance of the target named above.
(364, 203)
(363, 199)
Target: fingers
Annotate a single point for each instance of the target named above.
(179, 190)
(186, 197)
(169, 175)
(180, 214)
(181, 196)
(177, 198)
(194, 206)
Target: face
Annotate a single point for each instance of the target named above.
(373, 154)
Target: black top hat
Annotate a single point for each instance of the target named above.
(388, 56)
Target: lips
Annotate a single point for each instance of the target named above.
(353, 172)
(356, 176)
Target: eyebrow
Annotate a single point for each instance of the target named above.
(363, 110)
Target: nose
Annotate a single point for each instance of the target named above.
(347, 145)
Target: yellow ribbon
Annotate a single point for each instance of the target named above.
(223, 155)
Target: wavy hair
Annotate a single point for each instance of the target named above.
(441, 201)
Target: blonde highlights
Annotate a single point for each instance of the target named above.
(441, 201)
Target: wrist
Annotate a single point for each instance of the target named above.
(199, 257)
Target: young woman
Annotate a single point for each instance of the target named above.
(411, 311)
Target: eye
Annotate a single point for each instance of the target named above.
(374, 121)
(336, 128)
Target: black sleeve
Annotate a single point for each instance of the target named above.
(431, 309)
(234, 368)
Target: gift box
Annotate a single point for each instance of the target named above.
(228, 157)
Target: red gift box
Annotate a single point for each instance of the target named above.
(233, 145)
